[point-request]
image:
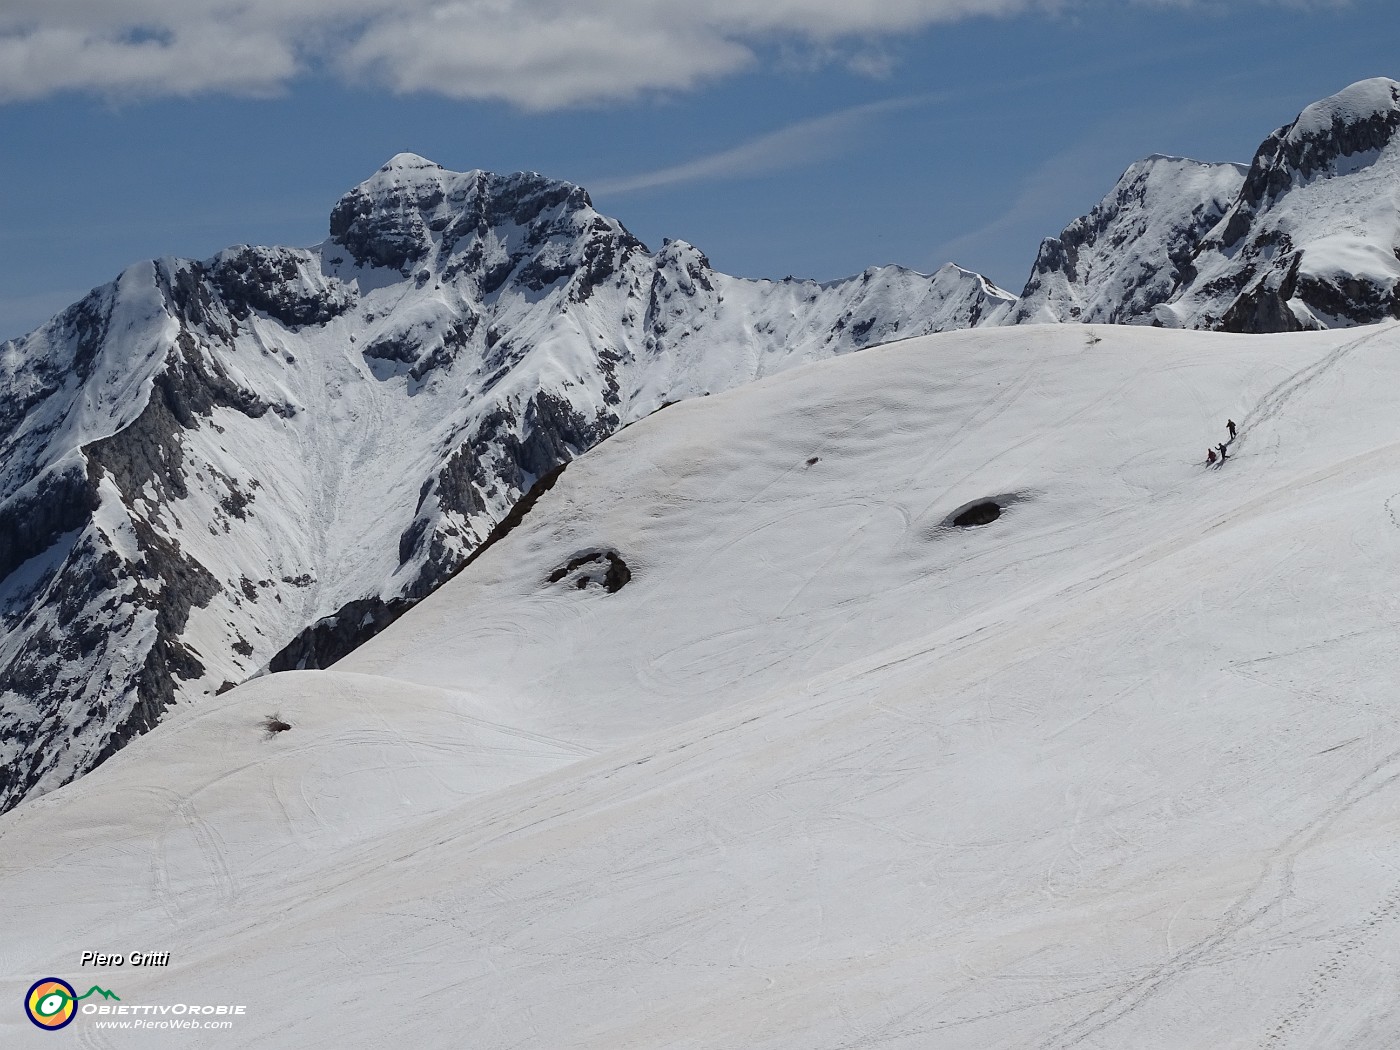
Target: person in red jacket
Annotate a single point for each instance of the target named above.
(1210, 457)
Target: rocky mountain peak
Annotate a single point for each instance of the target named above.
(1116, 263)
(1357, 119)
(412, 210)
(1313, 239)
(1306, 236)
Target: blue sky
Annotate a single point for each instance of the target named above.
(814, 138)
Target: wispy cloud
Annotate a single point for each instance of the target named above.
(800, 143)
(1070, 181)
(1060, 178)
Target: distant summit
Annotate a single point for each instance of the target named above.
(1306, 237)
(1313, 239)
(1127, 256)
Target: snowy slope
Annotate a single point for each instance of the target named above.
(1119, 768)
(258, 459)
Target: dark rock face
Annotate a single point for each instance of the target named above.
(184, 393)
(337, 635)
(272, 280)
(375, 238)
(95, 604)
(426, 351)
(32, 521)
(384, 225)
(509, 455)
(1359, 298)
(171, 584)
(1263, 307)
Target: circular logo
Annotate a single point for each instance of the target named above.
(51, 1003)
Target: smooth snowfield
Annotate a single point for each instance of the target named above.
(1120, 769)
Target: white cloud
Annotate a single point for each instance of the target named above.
(203, 58)
(540, 55)
(537, 54)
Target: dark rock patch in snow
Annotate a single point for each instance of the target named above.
(602, 567)
(983, 513)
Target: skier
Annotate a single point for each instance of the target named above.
(1210, 457)
(1221, 447)
(1230, 426)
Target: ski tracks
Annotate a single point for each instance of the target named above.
(1390, 509)
(174, 895)
(1271, 889)
(1275, 400)
(1331, 970)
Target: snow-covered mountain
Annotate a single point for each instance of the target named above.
(1308, 236)
(1313, 240)
(1127, 256)
(261, 458)
(821, 769)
